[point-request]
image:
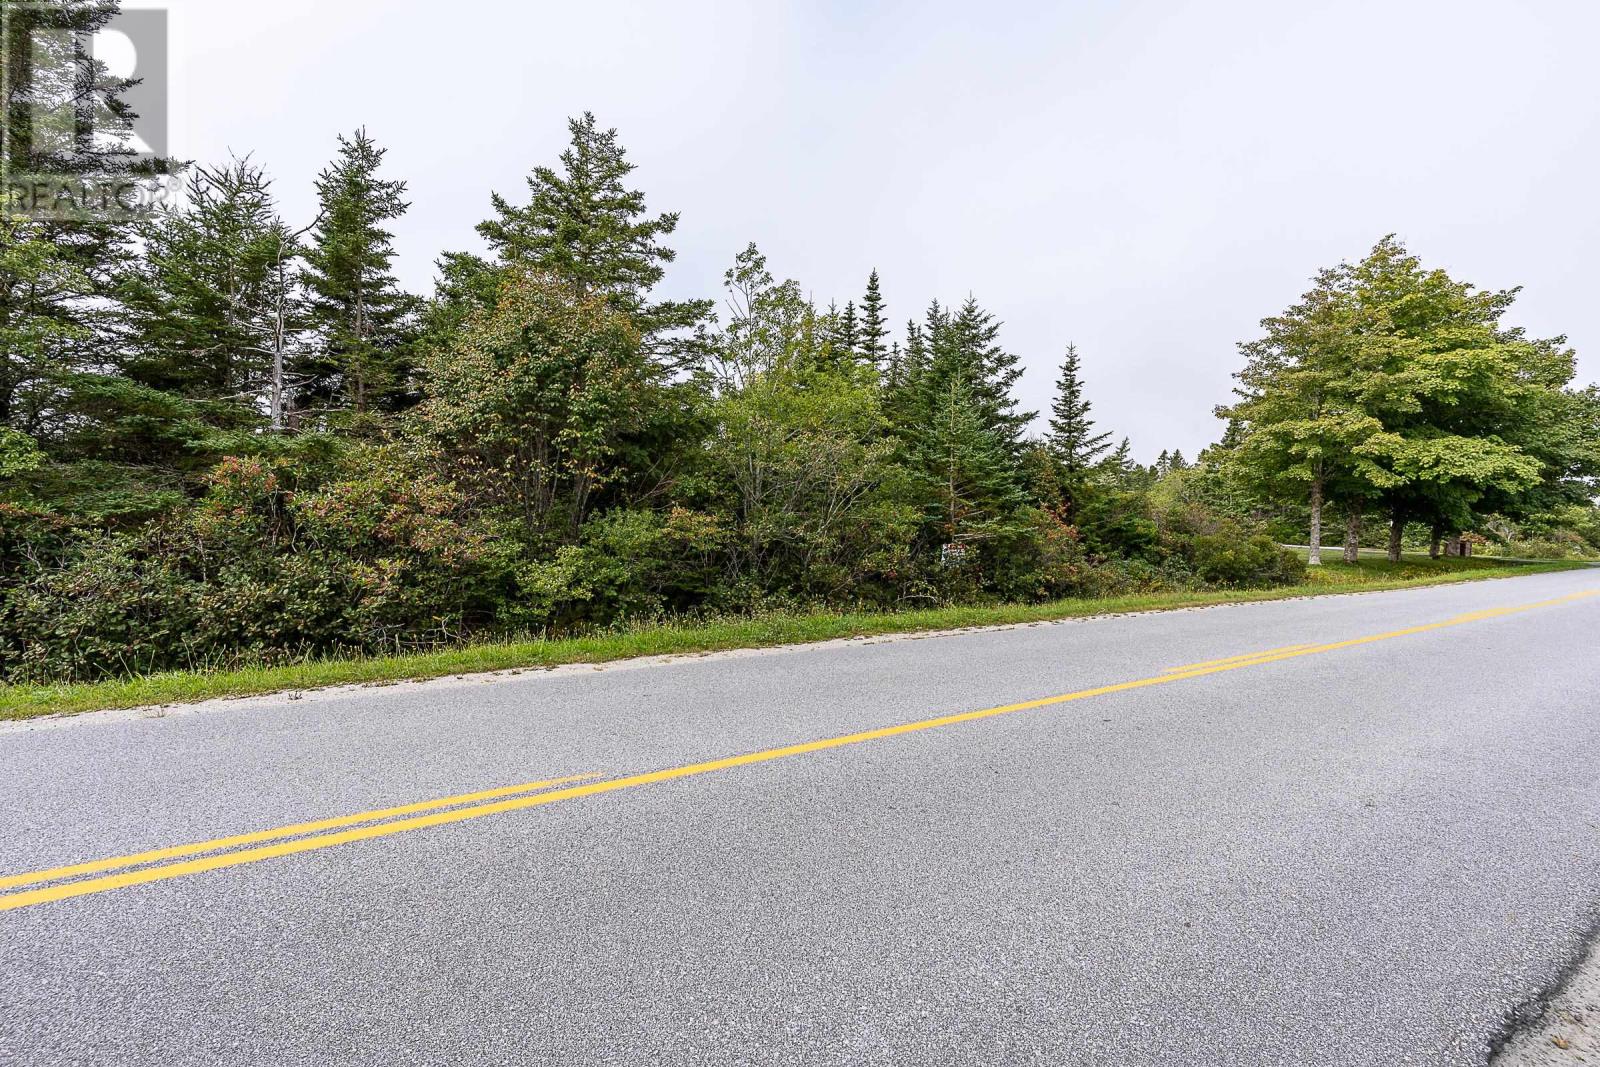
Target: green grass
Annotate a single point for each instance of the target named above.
(22, 702)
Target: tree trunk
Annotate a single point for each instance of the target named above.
(1315, 557)
(1397, 526)
(1352, 533)
(1433, 545)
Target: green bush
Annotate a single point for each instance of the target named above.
(1234, 559)
(279, 556)
(120, 606)
(383, 557)
(1564, 548)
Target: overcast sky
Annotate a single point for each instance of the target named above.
(1147, 179)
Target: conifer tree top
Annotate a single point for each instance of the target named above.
(1072, 437)
(584, 223)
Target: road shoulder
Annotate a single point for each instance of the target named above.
(1564, 1027)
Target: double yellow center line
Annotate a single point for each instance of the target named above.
(99, 876)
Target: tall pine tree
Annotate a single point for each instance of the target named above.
(63, 114)
(840, 331)
(357, 311)
(200, 302)
(968, 479)
(906, 364)
(584, 225)
(964, 346)
(42, 338)
(873, 330)
(1072, 439)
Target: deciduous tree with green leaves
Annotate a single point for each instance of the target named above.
(532, 404)
(1458, 394)
(771, 325)
(1301, 415)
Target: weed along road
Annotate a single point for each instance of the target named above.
(1346, 830)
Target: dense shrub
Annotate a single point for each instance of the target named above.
(382, 557)
(119, 605)
(368, 548)
(1233, 559)
(1554, 548)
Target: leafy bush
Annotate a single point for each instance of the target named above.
(1233, 559)
(120, 606)
(384, 556)
(19, 453)
(1555, 548)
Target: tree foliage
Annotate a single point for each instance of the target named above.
(357, 317)
(1390, 385)
(583, 224)
(532, 401)
(229, 438)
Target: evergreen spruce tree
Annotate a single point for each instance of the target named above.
(359, 315)
(1072, 439)
(964, 346)
(1119, 462)
(893, 368)
(57, 311)
(200, 303)
(915, 360)
(65, 113)
(839, 336)
(967, 476)
(585, 226)
(874, 327)
(901, 401)
(42, 337)
(958, 428)
(197, 318)
(911, 403)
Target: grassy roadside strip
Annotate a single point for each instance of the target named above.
(24, 702)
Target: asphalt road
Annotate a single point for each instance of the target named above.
(1369, 853)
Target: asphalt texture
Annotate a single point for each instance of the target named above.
(1372, 855)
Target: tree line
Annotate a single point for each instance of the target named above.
(229, 437)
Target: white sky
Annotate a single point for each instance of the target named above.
(1147, 179)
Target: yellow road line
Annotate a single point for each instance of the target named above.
(1234, 659)
(444, 818)
(179, 851)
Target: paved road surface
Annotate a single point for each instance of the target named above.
(1368, 853)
